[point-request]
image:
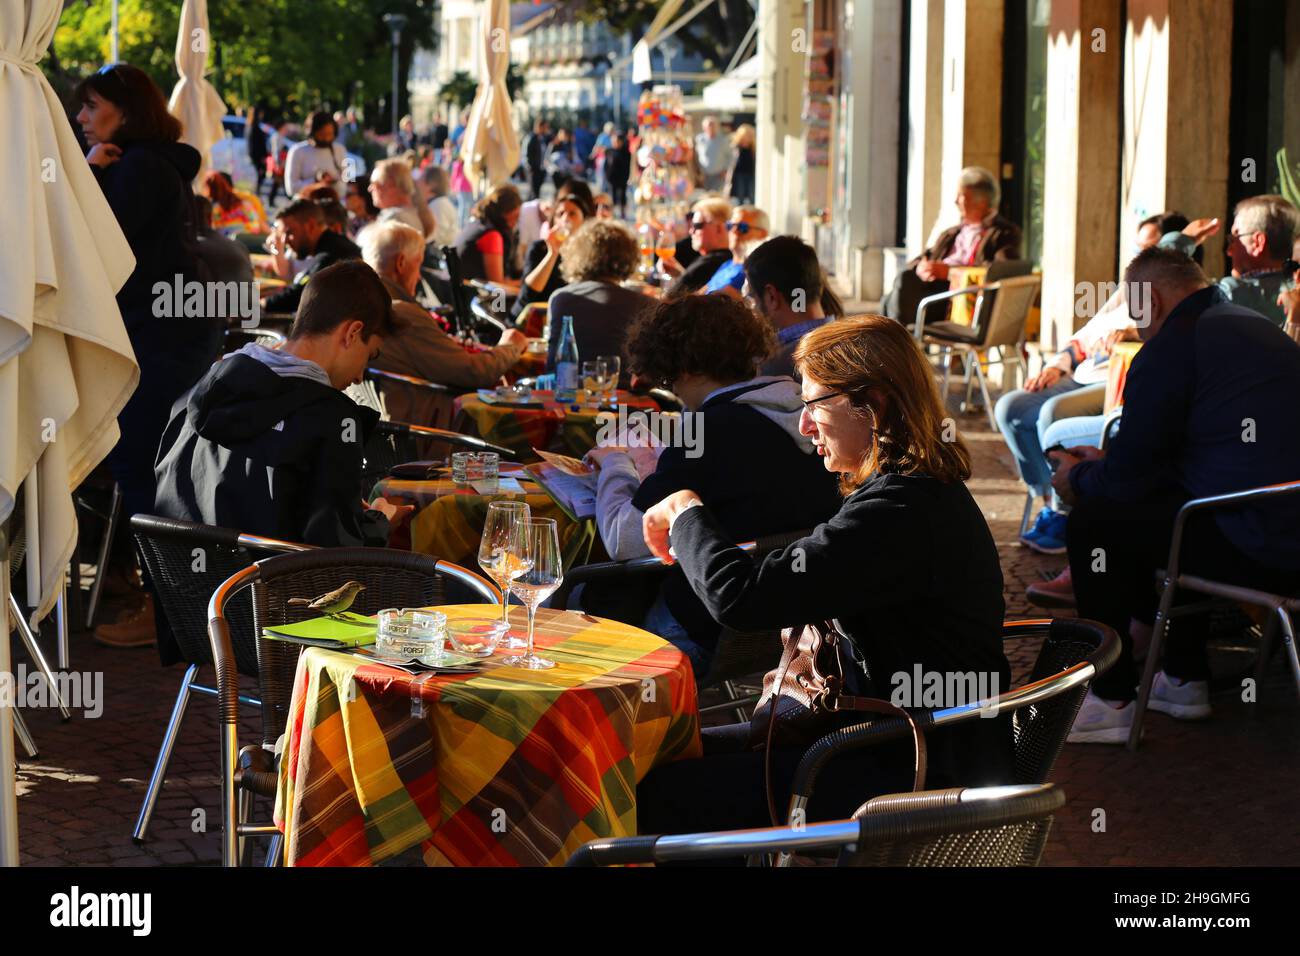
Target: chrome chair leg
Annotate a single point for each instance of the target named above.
(984, 390)
(24, 735)
(1158, 635)
(729, 688)
(1030, 498)
(63, 652)
(274, 850)
(37, 656)
(245, 814)
(229, 807)
(159, 774)
(945, 355)
(105, 549)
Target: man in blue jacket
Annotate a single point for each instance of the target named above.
(1210, 407)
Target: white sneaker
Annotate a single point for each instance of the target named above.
(1186, 701)
(1100, 723)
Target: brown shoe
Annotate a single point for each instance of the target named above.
(134, 628)
(1058, 592)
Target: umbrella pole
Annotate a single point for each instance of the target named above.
(8, 776)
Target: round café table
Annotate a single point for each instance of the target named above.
(549, 425)
(504, 767)
(448, 519)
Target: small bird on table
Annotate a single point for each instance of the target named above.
(332, 603)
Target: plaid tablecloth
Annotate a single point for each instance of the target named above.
(506, 767)
(448, 520)
(553, 427)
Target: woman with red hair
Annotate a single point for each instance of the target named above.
(233, 211)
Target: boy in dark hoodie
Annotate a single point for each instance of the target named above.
(266, 442)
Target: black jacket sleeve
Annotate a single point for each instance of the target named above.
(872, 553)
(1142, 460)
(335, 515)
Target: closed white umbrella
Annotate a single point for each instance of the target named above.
(66, 364)
(194, 102)
(490, 148)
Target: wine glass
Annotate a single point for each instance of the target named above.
(613, 368)
(495, 559)
(536, 545)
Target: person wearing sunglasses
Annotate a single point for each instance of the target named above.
(745, 230)
(1258, 246)
(704, 249)
(145, 174)
(883, 567)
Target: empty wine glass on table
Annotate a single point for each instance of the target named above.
(495, 559)
(536, 545)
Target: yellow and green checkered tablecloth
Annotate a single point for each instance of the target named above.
(448, 520)
(505, 767)
(551, 426)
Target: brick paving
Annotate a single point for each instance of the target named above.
(1214, 792)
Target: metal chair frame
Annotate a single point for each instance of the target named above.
(1053, 687)
(148, 525)
(990, 331)
(234, 809)
(1172, 579)
(906, 825)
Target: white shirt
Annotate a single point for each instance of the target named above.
(448, 221)
(306, 159)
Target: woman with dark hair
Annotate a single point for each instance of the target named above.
(487, 242)
(362, 210)
(707, 348)
(881, 569)
(318, 154)
(542, 273)
(145, 173)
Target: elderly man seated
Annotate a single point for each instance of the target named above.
(422, 347)
(981, 237)
(1209, 409)
(746, 229)
(1263, 231)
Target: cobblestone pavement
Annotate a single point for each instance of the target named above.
(1215, 792)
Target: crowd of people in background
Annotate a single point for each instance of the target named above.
(842, 413)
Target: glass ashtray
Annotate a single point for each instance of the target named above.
(406, 634)
(475, 636)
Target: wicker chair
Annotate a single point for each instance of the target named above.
(1074, 652)
(985, 826)
(738, 653)
(183, 584)
(392, 579)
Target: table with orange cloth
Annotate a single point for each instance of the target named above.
(549, 425)
(1121, 358)
(503, 767)
(448, 519)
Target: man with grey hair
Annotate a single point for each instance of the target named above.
(981, 237)
(1259, 245)
(1209, 408)
(423, 348)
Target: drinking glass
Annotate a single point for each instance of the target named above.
(536, 543)
(593, 381)
(613, 368)
(495, 559)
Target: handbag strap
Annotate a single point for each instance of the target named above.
(838, 703)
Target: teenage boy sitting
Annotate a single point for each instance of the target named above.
(267, 443)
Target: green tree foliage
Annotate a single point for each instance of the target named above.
(290, 54)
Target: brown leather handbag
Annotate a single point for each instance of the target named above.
(803, 699)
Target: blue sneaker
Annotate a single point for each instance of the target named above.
(1047, 536)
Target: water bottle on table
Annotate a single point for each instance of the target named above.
(566, 364)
